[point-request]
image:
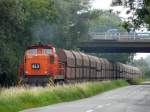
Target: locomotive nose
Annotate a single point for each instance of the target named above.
(37, 65)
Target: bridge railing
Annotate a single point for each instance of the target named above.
(119, 36)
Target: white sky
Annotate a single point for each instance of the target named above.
(141, 55)
(102, 4)
(105, 5)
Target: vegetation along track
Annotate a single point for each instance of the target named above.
(18, 98)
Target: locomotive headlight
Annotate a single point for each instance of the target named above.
(26, 72)
(45, 72)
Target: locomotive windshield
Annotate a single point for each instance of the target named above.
(47, 51)
(32, 51)
(39, 51)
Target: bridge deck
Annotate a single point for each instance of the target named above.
(116, 46)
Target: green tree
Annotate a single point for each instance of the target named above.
(40, 15)
(140, 9)
(11, 22)
(105, 21)
(72, 22)
(143, 64)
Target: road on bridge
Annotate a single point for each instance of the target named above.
(127, 99)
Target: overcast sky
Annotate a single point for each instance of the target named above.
(105, 5)
(102, 4)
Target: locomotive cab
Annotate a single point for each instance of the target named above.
(40, 64)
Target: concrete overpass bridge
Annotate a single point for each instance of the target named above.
(117, 43)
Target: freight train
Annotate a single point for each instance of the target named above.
(42, 65)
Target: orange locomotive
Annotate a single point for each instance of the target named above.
(40, 65)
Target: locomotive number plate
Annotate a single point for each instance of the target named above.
(35, 66)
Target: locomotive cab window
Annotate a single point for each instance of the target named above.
(39, 51)
(47, 51)
(32, 51)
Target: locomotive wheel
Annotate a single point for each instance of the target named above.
(59, 82)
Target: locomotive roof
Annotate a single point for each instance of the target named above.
(48, 46)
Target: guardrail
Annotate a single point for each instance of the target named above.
(119, 36)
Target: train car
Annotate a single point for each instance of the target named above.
(79, 66)
(67, 58)
(85, 66)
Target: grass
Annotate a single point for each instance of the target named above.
(138, 81)
(19, 98)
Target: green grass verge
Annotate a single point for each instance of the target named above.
(19, 98)
(138, 81)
